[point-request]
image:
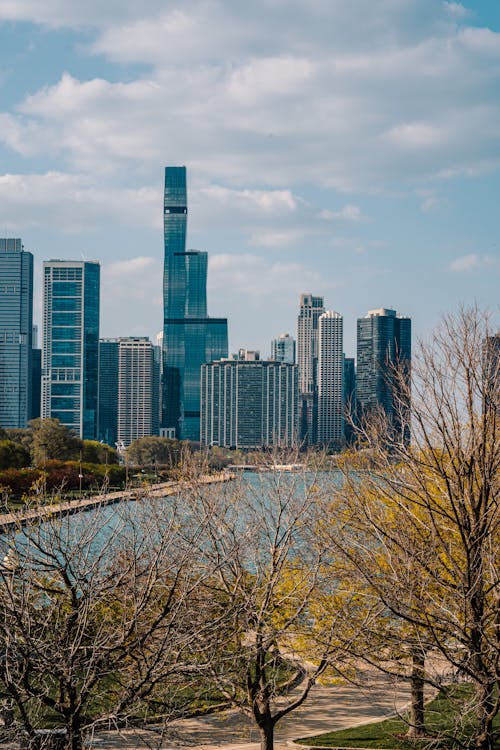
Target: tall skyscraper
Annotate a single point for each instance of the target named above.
(330, 380)
(190, 337)
(70, 354)
(283, 349)
(16, 321)
(108, 391)
(349, 400)
(249, 403)
(307, 359)
(384, 344)
(137, 390)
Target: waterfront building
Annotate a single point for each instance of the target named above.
(283, 349)
(311, 308)
(330, 380)
(16, 321)
(70, 352)
(137, 390)
(108, 390)
(249, 404)
(349, 400)
(383, 347)
(190, 337)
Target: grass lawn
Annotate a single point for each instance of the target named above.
(447, 721)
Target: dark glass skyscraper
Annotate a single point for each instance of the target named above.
(384, 343)
(16, 323)
(190, 337)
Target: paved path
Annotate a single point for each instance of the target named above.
(328, 708)
(20, 518)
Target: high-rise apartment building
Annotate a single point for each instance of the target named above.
(383, 347)
(349, 400)
(108, 391)
(249, 403)
(70, 354)
(190, 337)
(283, 349)
(137, 390)
(16, 321)
(330, 380)
(311, 308)
(129, 389)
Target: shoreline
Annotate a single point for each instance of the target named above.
(19, 519)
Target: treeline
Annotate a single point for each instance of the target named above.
(46, 457)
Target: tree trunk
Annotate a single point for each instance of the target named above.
(266, 730)
(484, 730)
(417, 719)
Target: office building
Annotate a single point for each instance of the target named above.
(349, 400)
(283, 349)
(311, 308)
(137, 390)
(330, 380)
(108, 390)
(383, 349)
(16, 321)
(70, 352)
(190, 337)
(249, 404)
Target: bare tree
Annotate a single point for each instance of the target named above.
(98, 618)
(287, 620)
(423, 519)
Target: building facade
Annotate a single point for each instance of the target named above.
(283, 349)
(349, 400)
(310, 310)
(16, 322)
(108, 391)
(330, 380)
(137, 390)
(70, 353)
(190, 337)
(249, 404)
(383, 348)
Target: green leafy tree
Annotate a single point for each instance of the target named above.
(94, 452)
(51, 439)
(155, 451)
(13, 455)
(424, 519)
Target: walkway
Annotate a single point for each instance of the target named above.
(20, 518)
(328, 708)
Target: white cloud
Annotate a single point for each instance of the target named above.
(327, 101)
(276, 239)
(250, 275)
(347, 213)
(72, 202)
(471, 262)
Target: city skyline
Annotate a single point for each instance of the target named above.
(359, 161)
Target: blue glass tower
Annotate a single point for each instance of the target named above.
(16, 323)
(70, 356)
(190, 337)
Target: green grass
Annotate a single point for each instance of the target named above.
(447, 720)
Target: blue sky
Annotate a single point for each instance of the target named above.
(350, 149)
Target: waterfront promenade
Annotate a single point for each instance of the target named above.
(42, 512)
(329, 707)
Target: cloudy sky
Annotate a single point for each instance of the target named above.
(349, 148)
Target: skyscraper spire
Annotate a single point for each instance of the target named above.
(190, 337)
